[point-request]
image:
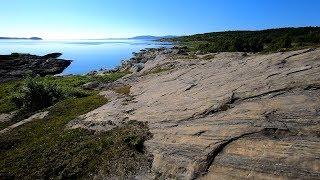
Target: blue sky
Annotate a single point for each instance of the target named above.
(73, 19)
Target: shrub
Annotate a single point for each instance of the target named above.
(36, 95)
(110, 77)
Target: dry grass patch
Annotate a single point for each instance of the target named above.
(124, 90)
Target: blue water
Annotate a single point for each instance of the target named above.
(87, 55)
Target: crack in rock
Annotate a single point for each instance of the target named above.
(269, 132)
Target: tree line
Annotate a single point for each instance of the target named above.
(252, 41)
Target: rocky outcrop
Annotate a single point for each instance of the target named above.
(225, 116)
(16, 66)
(136, 63)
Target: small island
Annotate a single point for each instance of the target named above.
(23, 38)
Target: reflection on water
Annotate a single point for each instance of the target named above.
(88, 55)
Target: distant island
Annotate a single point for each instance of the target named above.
(143, 37)
(31, 38)
(152, 37)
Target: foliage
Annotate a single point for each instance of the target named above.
(252, 41)
(44, 149)
(37, 95)
(7, 92)
(110, 77)
(70, 86)
(29, 95)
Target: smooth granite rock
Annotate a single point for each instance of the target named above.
(226, 116)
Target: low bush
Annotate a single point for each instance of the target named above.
(109, 77)
(36, 95)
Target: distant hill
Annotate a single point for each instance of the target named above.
(252, 41)
(152, 37)
(31, 38)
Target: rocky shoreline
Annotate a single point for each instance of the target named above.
(228, 115)
(16, 66)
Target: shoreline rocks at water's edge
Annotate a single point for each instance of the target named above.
(17, 66)
(137, 61)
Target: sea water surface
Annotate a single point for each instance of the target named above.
(87, 55)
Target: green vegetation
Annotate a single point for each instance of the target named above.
(7, 91)
(32, 94)
(110, 77)
(70, 86)
(45, 149)
(252, 41)
(37, 95)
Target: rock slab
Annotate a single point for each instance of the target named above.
(229, 116)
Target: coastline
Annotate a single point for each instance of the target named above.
(88, 55)
(169, 112)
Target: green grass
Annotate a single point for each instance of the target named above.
(45, 149)
(7, 91)
(66, 81)
(69, 84)
(110, 77)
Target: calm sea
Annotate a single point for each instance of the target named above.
(88, 55)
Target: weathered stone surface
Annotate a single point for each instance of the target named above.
(103, 118)
(7, 116)
(232, 116)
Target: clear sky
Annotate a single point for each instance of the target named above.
(72, 19)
